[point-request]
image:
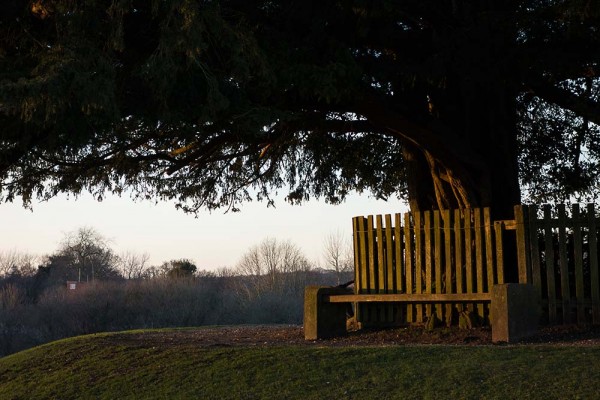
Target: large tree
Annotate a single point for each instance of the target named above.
(443, 103)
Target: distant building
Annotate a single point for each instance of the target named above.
(74, 285)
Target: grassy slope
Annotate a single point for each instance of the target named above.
(94, 367)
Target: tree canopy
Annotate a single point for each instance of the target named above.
(211, 103)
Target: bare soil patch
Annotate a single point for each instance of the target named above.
(272, 335)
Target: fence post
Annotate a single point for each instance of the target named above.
(521, 219)
(515, 313)
(323, 319)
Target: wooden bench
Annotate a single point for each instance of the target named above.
(514, 312)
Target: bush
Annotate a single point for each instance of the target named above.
(153, 303)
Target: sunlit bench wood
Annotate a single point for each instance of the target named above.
(514, 309)
(410, 298)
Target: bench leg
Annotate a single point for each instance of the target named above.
(515, 312)
(323, 320)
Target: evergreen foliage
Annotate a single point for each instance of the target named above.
(212, 103)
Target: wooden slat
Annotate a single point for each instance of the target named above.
(499, 233)
(362, 283)
(356, 247)
(399, 250)
(534, 249)
(380, 265)
(458, 251)
(389, 251)
(415, 298)
(371, 249)
(371, 312)
(593, 243)
(408, 266)
(438, 245)
(489, 252)
(521, 227)
(564, 269)
(389, 263)
(427, 230)
(447, 221)
(550, 261)
(578, 254)
(478, 256)
(399, 315)
(418, 263)
(469, 251)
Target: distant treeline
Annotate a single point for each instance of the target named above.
(121, 292)
(203, 299)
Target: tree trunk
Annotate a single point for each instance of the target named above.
(449, 178)
(468, 157)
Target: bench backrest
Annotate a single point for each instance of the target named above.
(448, 251)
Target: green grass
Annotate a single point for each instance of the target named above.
(110, 366)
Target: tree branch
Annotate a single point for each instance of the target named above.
(563, 98)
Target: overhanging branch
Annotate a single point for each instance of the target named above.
(585, 108)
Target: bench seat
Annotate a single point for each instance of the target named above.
(325, 309)
(410, 298)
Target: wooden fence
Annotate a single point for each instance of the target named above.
(457, 251)
(558, 254)
(461, 251)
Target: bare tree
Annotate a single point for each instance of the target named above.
(90, 252)
(133, 265)
(13, 261)
(337, 253)
(273, 266)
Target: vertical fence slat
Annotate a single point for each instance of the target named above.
(408, 266)
(479, 257)
(371, 248)
(399, 249)
(356, 253)
(389, 245)
(564, 268)
(372, 314)
(389, 264)
(398, 263)
(361, 285)
(427, 230)
(522, 243)
(458, 251)
(489, 252)
(578, 257)
(418, 263)
(499, 233)
(550, 262)
(363, 282)
(438, 260)
(446, 220)
(380, 266)
(534, 249)
(469, 251)
(593, 243)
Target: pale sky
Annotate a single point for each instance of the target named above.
(212, 240)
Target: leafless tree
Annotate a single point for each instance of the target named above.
(133, 265)
(14, 261)
(272, 265)
(337, 253)
(90, 251)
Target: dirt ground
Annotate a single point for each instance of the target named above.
(269, 335)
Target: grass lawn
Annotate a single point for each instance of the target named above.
(100, 367)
